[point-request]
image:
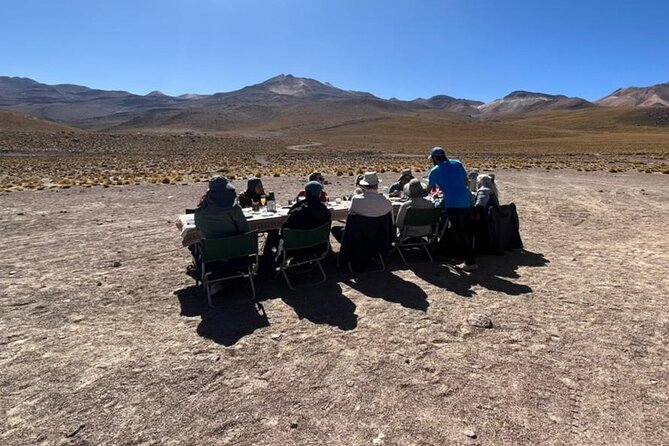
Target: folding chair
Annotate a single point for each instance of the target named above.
(239, 252)
(417, 217)
(303, 247)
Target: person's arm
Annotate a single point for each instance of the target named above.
(482, 197)
(240, 220)
(401, 215)
(431, 180)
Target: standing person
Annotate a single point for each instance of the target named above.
(451, 178)
(254, 189)
(397, 188)
(317, 177)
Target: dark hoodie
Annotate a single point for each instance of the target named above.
(247, 197)
(218, 216)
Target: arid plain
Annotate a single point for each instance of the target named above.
(93, 353)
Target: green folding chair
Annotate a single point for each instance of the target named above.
(242, 248)
(419, 217)
(303, 247)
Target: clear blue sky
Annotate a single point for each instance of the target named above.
(477, 49)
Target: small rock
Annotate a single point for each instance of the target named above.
(350, 383)
(293, 424)
(600, 191)
(11, 273)
(471, 433)
(276, 336)
(21, 213)
(99, 284)
(479, 320)
(116, 264)
(379, 439)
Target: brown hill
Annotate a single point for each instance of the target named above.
(528, 102)
(653, 96)
(12, 121)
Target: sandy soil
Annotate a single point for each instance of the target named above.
(96, 354)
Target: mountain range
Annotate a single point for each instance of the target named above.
(284, 101)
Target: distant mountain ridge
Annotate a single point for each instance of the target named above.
(525, 101)
(302, 99)
(653, 96)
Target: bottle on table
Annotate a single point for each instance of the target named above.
(271, 202)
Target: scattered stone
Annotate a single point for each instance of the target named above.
(293, 424)
(479, 320)
(62, 212)
(76, 431)
(116, 264)
(11, 273)
(471, 433)
(99, 284)
(21, 213)
(600, 191)
(350, 383)
(276, 336)
(379, 439)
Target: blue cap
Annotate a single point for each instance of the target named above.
(436, 151)
(313, 188)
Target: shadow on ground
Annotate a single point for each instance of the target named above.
(225, 325)
(390, 287)
(493, 273)
(323, 304)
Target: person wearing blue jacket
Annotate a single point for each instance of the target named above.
(451, 177)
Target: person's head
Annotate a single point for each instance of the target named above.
(221, 192)
(313, 190)
(369, 181)
(317, 176)
(415, 189)
(254, 186)
(405, 177)
(487, 181)
(437, 155)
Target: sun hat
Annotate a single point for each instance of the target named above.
(436, 151)
(406, 173)
(316, 176)
(313, 188)
(415, 189)
(221, 192)
(370, 179)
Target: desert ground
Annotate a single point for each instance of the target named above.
(92, 353)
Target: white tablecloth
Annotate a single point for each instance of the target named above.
(261, 222)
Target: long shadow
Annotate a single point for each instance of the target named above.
(492, 273)
(225, 325)
(392, 288)
(323, 304)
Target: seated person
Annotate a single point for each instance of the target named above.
(416, 191)
(254, 189)
(368, 204)
(358, 189)
(397, 188)
(306, 214)
(309, 213)
(318, 177)
(487, 194)
(217, 215)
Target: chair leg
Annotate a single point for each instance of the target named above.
(253, 286)
(383, 265)
(322, 271)
(399, 250)
(428, 253)
(285, 276)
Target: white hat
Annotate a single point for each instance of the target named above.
(369, 179)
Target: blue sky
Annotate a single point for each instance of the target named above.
(476, 49)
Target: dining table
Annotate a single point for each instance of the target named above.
(263, 220)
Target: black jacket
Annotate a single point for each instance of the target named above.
(365, 238)
(307, 214)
